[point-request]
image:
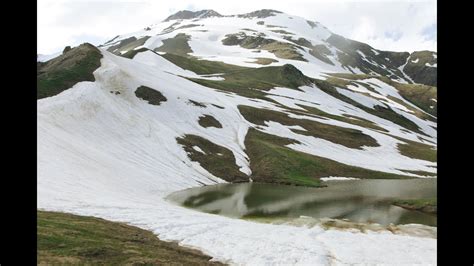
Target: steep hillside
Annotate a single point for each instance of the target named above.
(202, 98)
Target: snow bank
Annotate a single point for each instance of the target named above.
(116, 157)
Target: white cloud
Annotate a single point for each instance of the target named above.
(388, 25)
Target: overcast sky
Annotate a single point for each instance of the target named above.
(395, 25)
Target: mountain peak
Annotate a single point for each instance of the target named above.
(262, 13)
(186, 14)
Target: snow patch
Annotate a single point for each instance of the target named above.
(334, 178)
(196, 148)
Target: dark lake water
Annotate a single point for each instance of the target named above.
(355, 200)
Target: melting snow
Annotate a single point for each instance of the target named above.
(334, 178)
(116, 157)
(196, 148)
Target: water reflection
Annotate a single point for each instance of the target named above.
(356, 200)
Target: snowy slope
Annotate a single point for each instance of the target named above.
(116, 156)
(206, 35)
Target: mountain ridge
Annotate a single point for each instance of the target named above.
(225, 99)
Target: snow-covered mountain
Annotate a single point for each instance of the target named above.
(203, 98)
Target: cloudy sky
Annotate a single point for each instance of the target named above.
(396, 25)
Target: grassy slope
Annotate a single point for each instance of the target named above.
(418, 71)
(359, 121)
(417, 150)
(176, 45)
(280, 49)
(71, 239)
(382, 112)
(201, 67)
(253, 83)
(418, 94)
(344, 136)
(63, 72)
(217, 160)
(272, 162)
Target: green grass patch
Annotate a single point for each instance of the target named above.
(358, 121)
(132, 45)
(264, 61)
(150, 95)
(417, 150)
(420, 95)
(245, 81)
(121, 44)
(62, 72)
(380, 111)
(422, 173)
(280, 49)
(272, 162)
(423, 205)
(263, 78)
(348, 137)
(417, 94)
(131, 54)
(209, 121)
(253, 82)
(201, 67)
(70, 239)
(176, 45)
(419, 72)
(216, 159)
(282, 32)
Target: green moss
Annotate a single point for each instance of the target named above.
(209, 121)
(63, 72)
(70, 239)
(218, 160)
(150, 95)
